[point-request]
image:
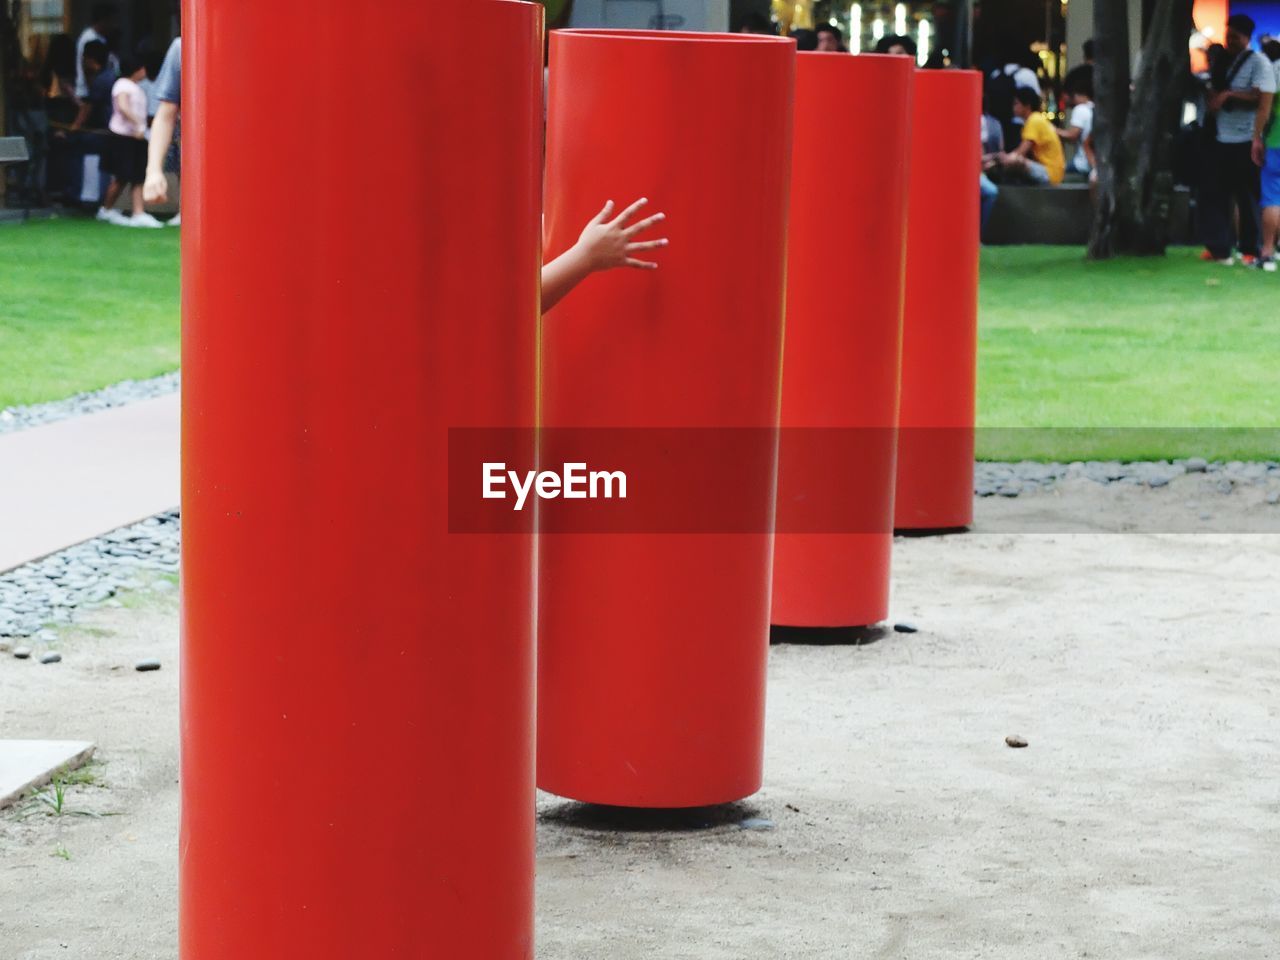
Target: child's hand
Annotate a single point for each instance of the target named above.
(605, 244)
(156, 187)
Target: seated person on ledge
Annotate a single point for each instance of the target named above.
(1039, 158)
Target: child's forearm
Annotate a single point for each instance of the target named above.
(162, 128)
(562, 274)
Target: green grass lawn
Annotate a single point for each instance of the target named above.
(83, 305)
(1131, 358)
(1128, 359)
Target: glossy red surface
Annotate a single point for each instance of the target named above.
(940, 327)
(844, 330)
(357, 685)
(652, 648)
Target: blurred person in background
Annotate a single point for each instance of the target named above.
(757, 23)
(1024, 73)
(1080, 77)
(95, 108)
(168, 91)
(991, 137)
(58, 75)
(125, 152)
(830, 39)
(1000, 89)
(806, 40)
(1038, 159)
(1266, 154)
(896, 44)
(58, 80)
(1079, 95)
(1234, 106)
(29, 120)
(102, 23)
(87, 134)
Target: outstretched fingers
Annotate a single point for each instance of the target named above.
(643, 225)
(640, 264)
(631, 211)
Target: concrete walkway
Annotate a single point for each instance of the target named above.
(76, 479)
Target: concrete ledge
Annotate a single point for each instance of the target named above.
(1061, 215)
(27, 764)
(10, 215)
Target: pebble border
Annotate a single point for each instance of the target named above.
(1012, 479)
(51, 590)
(117, 395)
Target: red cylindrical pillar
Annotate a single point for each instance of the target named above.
(652, 647)
(940, 326)
(844, 326)
(357, 684)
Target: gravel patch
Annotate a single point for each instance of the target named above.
(50, 591)
(116, 395)
(1013, 479)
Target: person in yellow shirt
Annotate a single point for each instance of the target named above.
(1039, 157)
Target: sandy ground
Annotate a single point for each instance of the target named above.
(1143, 821)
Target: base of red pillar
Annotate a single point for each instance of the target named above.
(829, 636)
(605, 818)
(702, 803)
(930, 531)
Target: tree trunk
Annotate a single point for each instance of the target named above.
(8, 66)
(1134, 137)
(1111, 108)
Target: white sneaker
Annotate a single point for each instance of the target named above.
(1228, 261)
(145, 220)
(176, 221)
(110, 216)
